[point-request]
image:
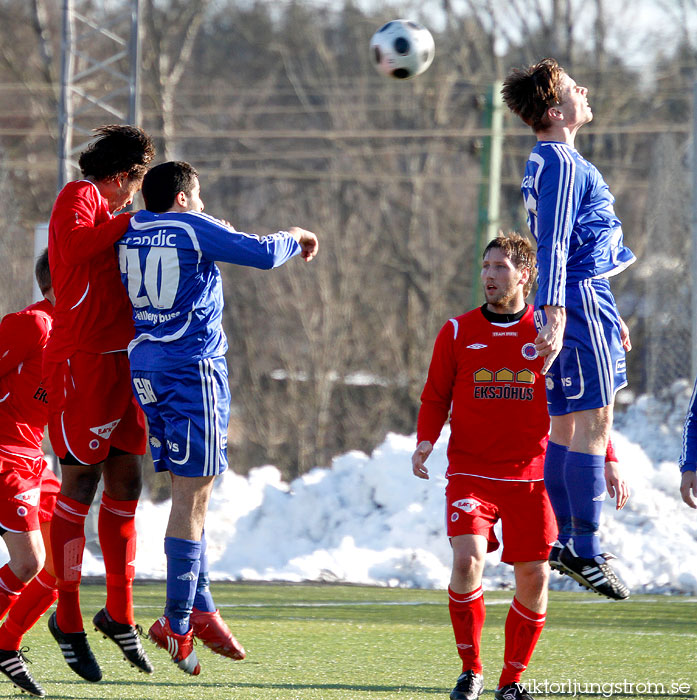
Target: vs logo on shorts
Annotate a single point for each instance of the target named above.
(467, 504)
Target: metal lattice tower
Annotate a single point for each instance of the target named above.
(99, 75)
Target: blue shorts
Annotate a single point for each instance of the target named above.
(591, 367)
(188, 409)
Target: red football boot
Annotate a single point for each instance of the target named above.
(179, 646)
(211, 629)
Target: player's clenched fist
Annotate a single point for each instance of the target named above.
(307, 241)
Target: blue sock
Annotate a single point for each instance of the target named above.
(182, 574)
(585, 482)
(204, 600)
(555, 466)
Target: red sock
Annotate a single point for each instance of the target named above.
(467, 614)
(68, 545)
(33, 602)
(523, 629)
(117, 537)
(10, 588)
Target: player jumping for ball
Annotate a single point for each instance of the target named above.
(179, 375)
(96, 427)
(581, 336)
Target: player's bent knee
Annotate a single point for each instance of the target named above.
(27, 566)
(80, 482)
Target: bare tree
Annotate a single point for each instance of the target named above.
(171, 29)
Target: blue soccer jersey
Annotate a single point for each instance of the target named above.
(168, 266)
(688, 456)
(571, 215)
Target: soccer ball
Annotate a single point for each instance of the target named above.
(402, 49)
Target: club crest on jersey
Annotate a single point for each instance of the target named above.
(105, 431)
(528, 351)
(22, 511)
(155, 442)
(467, 504)
(31, 497)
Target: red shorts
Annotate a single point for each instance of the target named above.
(474, 505)
(27, 494)
(91, 407)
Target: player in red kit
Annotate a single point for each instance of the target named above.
(485, 376)
(485, 373)
(28, 488)
(96, 427)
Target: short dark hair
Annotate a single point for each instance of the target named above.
(519, 251)
(529, 92)
(162, 183)
(42, 272)
(118, 149)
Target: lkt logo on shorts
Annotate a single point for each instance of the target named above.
(105, 431)
(467, 504)
(31, 496)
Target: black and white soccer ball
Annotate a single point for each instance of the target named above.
(402, 49)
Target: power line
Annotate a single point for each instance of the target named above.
(348, 134)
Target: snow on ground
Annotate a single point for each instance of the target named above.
(367, 519)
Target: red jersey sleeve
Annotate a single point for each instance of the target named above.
(73, 219)
(20, 336)
(437, 395)
(610, 455)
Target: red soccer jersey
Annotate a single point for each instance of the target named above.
(92, 311)
(487, 375)
(23, 401)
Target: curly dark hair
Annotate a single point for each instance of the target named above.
(118, 149)
(519, 251)
(529, 92)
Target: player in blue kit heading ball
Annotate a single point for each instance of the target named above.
(179, 374)
(581, 335)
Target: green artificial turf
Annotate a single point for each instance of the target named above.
(330, 642)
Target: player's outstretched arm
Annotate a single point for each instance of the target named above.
(688, 488)
(550, 339)
(418, 459)
(617, 485)
(309, 245)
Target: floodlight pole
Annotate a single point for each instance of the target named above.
(65, 106)
(693, 338)
(489, 215)
(88, 82)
